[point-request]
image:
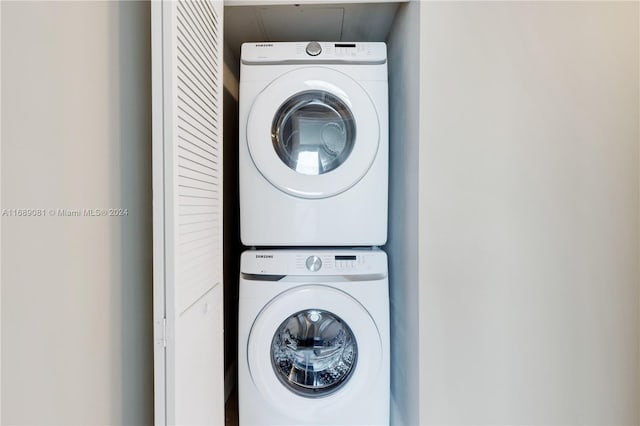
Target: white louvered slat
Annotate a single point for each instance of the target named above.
(199, 145)
(187, 190)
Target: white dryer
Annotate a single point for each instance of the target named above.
(313, 339)
(313, 144)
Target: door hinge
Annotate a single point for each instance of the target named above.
(161, 332)
(164, 332)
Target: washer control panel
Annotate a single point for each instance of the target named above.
(322, 262)
(333, 263)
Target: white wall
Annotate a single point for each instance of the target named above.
(529, 195)
(76, 291)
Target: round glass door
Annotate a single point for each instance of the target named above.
(313, 353)
(313, 132)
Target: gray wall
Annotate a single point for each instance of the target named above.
(76, 291)
(402, 247)
(529, 192)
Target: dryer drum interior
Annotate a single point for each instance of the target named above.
(314, 352)
(313, 132)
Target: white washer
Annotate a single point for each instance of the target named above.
(313, 337)
(313, 144)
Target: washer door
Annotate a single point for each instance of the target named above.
(313, 132)
(313, 345)
(314, 353)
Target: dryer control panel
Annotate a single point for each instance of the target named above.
(308, 262)
(313, 52)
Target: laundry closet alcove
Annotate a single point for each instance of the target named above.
(196, 50)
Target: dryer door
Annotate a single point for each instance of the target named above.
(311, 347)
(313, 132)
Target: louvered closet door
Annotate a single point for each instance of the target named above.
(187, 178)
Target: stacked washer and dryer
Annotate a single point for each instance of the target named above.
(313, 343)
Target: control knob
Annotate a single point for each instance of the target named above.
(313, 263)
(314, 48)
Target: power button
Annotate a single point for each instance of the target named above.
(313, 263)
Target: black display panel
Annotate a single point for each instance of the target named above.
(345, 257)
